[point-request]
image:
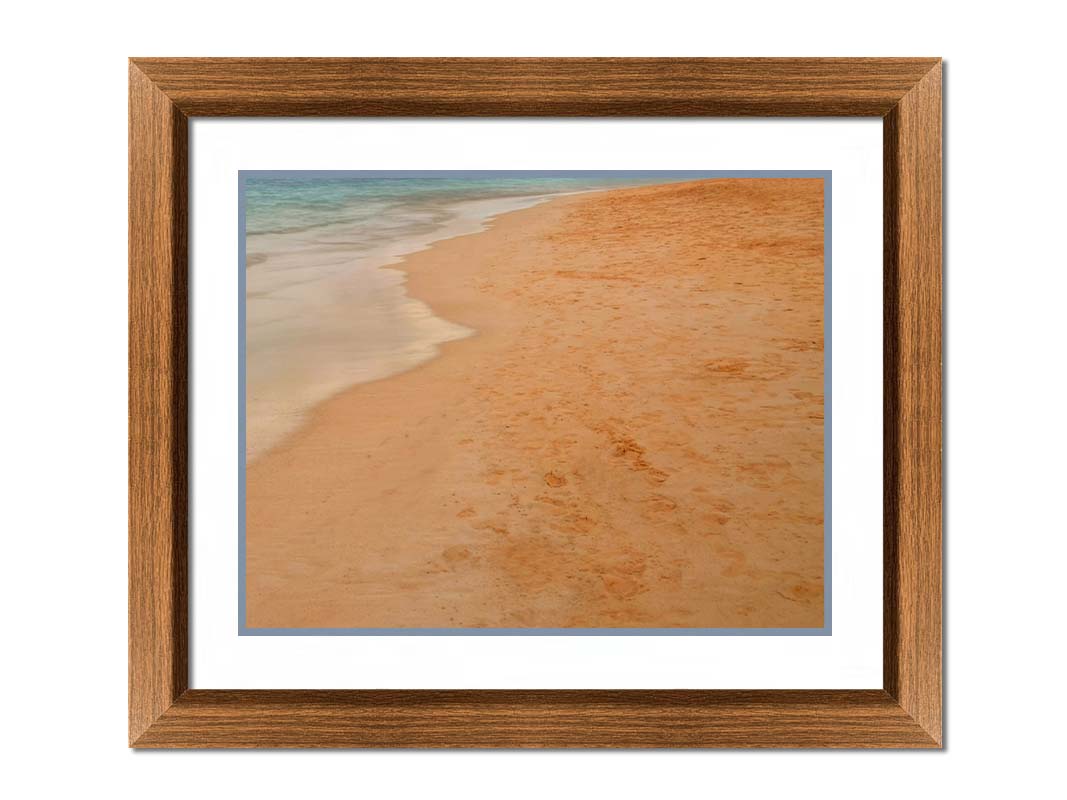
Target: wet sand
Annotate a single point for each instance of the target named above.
(632, 438)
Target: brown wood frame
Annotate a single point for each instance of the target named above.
(164, 93)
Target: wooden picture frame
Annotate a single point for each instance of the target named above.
(164, 93)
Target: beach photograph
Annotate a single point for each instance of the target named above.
(533, 401)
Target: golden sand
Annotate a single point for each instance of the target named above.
(634, 437)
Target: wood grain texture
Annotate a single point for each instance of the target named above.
(912, 407)
(164, 92)
(158, 558)
(527, 719)
(573, 87)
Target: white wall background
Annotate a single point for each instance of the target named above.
(63, 340)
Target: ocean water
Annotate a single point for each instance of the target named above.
(323, 310)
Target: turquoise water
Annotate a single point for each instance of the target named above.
(279, 202)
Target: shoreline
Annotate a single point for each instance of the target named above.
(541, 411)
(408, 265)
(270, 422)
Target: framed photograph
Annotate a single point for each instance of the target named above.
(535, 403)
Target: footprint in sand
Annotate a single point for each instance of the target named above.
(634, 565)
(555, 480)
(661, 503)
(544, 498)
(620, 586)
(496, 526)
(737, 562)
(633, 454)
(455, 554)
(495, 475)
(467, 512)
(801, 592)
(717, 519)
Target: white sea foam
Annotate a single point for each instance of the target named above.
(324, 311)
